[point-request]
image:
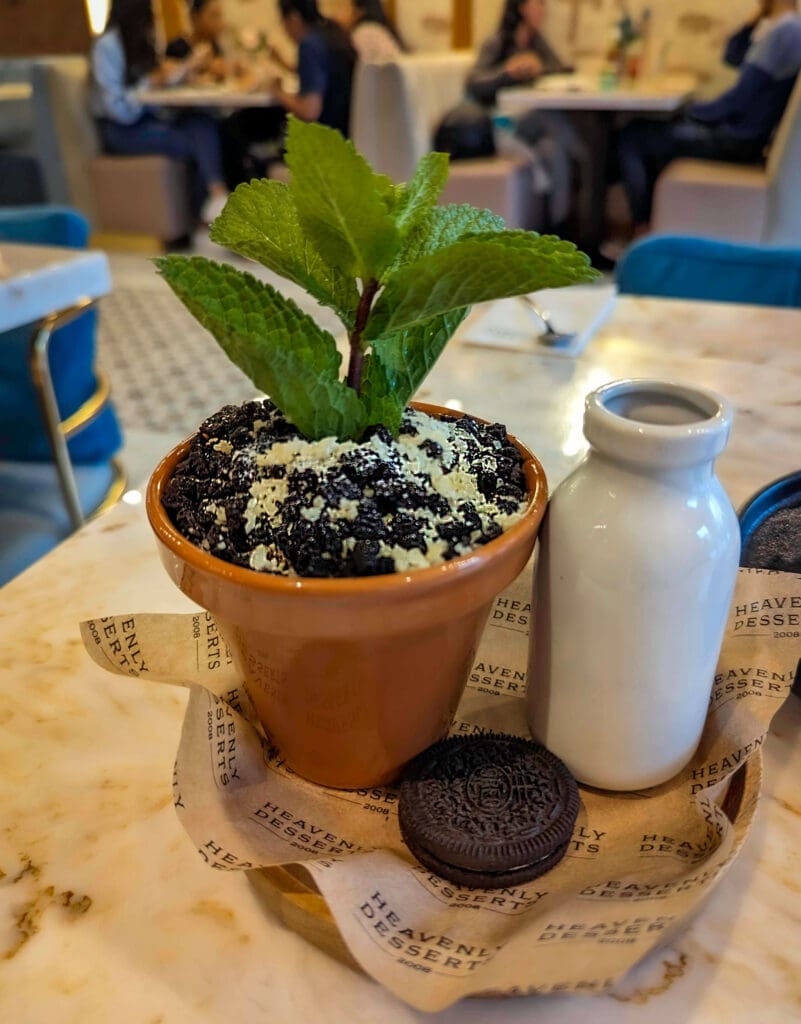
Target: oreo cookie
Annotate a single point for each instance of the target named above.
(488, 811)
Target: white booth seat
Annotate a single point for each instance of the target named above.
(735, 202)
(395, 111)
(141, 195)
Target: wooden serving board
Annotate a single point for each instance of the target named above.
(290, 893)
(293, 897)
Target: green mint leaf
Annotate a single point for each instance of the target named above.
(278, 346)
(260, 222)
(390, 193)
(420, 195)
(478, 268)
(342, 204)
(383, 403)
(445, 225)
(407, 356)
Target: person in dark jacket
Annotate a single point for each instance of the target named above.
(738, 45)
(325, 66)
(737, 126)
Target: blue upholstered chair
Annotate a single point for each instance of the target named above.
(33, 516)
(676, 267)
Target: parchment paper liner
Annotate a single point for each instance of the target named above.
(638, 864)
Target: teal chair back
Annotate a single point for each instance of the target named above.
(72, 356)
(44, 225)
(675, 267)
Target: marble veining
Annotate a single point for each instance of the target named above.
(108, 914)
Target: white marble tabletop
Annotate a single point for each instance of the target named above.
(108, 914)
(654, 94)
(36, 281)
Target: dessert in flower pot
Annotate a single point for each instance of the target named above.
(350, 544)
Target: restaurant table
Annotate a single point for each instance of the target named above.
(47, 287)
(659, 94)
(594, 108)
(137, 929)
(223, 97)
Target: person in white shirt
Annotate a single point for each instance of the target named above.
(372, 35)
(124, 60)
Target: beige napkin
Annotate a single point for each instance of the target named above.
(637, 866)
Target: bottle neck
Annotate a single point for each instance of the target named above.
(657, 427)
(683, 477)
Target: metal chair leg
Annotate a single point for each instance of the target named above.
(43, 382)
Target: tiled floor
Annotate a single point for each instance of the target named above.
(167, 374)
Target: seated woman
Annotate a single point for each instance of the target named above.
(372, 34)
(736, 127)
(124, 59)
(518, 54)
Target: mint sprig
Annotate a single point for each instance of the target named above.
(275, 343)
(341, 202)
(263, 225)
(400, 271)
(476, 268)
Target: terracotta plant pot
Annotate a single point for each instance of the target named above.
(352, 677)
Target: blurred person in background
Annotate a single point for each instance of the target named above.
(325, 74)
(372, 34)
(737, 126)
(208, 25)
(518, 54)
(204, 45)
(325, 66)
(738, 45)
(124, 59)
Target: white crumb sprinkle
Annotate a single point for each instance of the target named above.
(429, 458)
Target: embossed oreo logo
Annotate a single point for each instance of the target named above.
(490, 788)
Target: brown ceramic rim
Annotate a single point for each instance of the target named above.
(430, 578)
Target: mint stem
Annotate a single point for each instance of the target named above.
(356, 364)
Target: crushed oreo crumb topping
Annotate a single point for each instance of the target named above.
(254, 492)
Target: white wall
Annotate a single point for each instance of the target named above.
(425, 25)
(486, 16)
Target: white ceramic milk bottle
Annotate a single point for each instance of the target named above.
(637, 564)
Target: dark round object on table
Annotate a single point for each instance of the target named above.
(488, 811)
(770, 526)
